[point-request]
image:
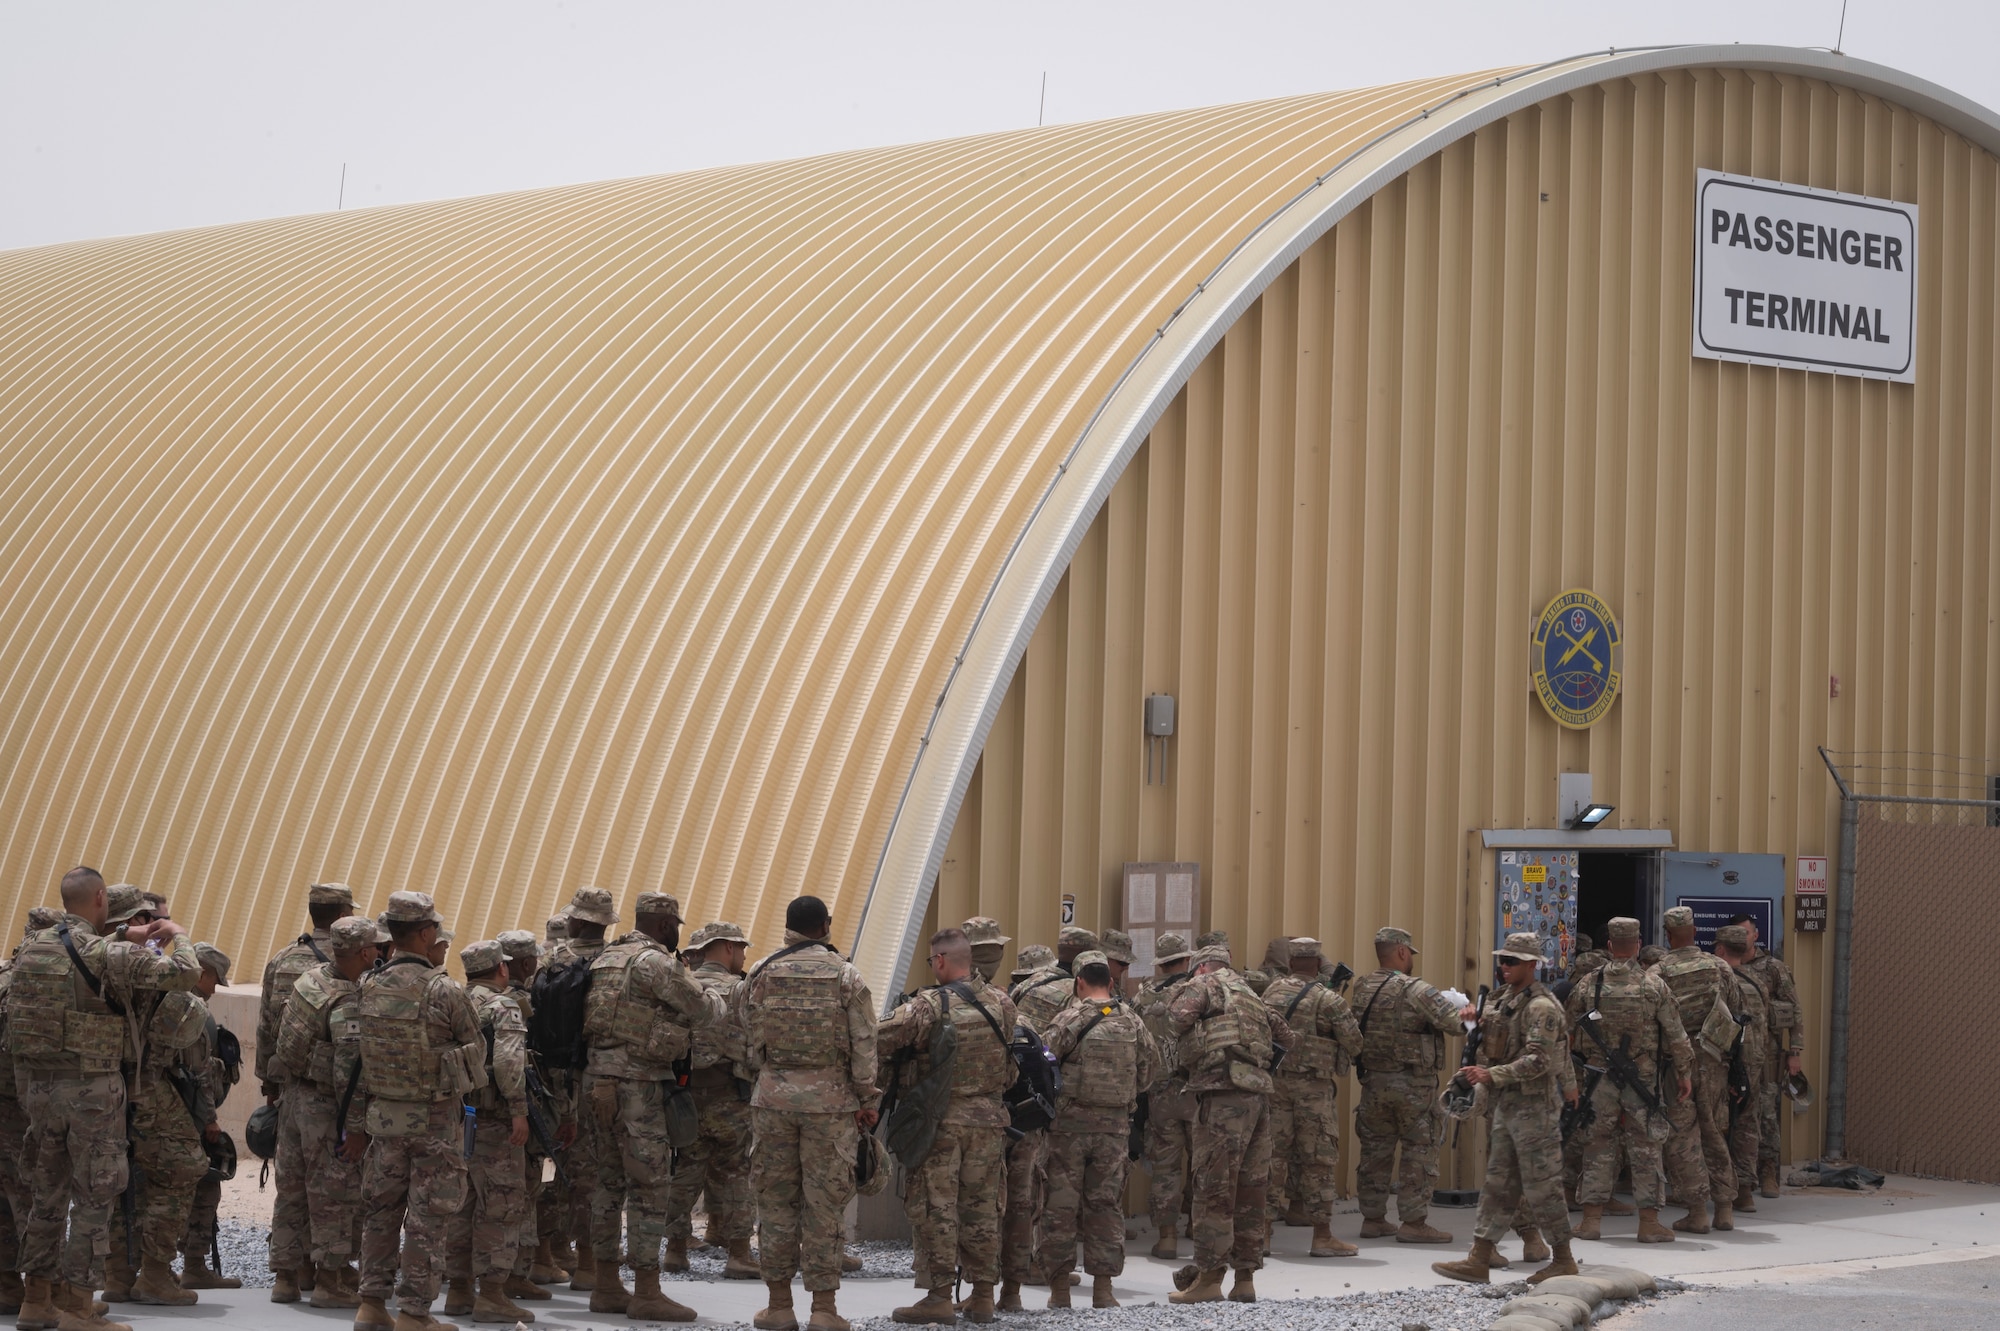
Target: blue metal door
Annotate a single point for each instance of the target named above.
(1719, 886)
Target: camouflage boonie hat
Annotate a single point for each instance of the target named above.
(1623, 928)
(657, 903)
(592, 904)
(1091, 959)
(330, 894)
(43, 917)
(480, 957)
(1680, 917)
(1734, 935)
(214, 959)
(1169, 947)
(719, 932)
(1213, 938)
(984, 931)
(1305, 947)
(556, 929)
(1034, 957)
(156, 904)
(1204, 955)
(125, 902)
(1390, 936)
(411, 908)
(356, 933)
(1118, 946)
(518, 944)
(1081, 939)
(1521, 947)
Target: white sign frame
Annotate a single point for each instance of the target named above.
(1811, 880)
(1761, 266)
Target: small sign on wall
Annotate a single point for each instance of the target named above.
(1809, 895)
(1804, 279)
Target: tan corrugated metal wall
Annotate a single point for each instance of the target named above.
(1475, 392)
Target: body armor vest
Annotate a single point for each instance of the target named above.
(321, 1014)
(1757, 1032)
(1237, 1039)
(398, 1061)
(1625, 1007)
(982, 1067)
(177, 1023)
(488, 1008)
(1038, 998)
(1102, 1072)
(616, 1017)
(1395, 1035)
(1695, 982)
(720, 1043)
(799, 1017)
(55, 1022)
(1311, 1054)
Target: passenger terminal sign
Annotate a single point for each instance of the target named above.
(1804, 279)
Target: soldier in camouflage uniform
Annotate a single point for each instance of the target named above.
(533, 1259)
(290, 1225)
(1107, 1059)
(644, 1009)
(15, 1202)
(718, 1164)
(1277, 963)
(421, 1051)
(953, 1198)
(481, 1237)
(1403, 1023)
(989, 945)
(1697, 1155)
(70, 1047)
(1228, 1039)
(213, 1078)
(1038, 999)
(1117, 948)
(583, 922)
(316, 1055)
(1525, 1066)
(1783, 1055)
(1169, 1107)
(1736, 945)
(809, 1037)
(1305, 1126)
(1637, 1015)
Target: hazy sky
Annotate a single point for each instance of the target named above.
(119, 118)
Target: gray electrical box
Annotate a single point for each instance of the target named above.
(1159, 715)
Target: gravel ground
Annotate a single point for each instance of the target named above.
(881, 1260)
(246, 1251)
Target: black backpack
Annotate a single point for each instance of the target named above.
(555, 1032)
(1031, 1100)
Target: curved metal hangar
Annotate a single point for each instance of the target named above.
(827, 525)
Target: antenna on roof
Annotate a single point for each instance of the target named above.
(1843, 29)
(1043, 105)
(341, 202)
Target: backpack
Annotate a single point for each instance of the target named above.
(561, 1001)
(1031, 1100)
(910, 1127)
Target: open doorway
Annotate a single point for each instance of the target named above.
(1614, 883)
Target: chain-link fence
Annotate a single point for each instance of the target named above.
(1920, 869)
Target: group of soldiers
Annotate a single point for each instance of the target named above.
(418, 1120)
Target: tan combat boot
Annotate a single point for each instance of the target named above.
(1298, 1217)
(336, 1287)
(1201, 1286)
(1475, 1266)
(608, 1294)
(777, 1314)
(38, 1311)
(676, 1258)
(1613, 1206)
(1059, 1290)
(1165, 1246)
(157, 1284)
(1650, 1228)
(933, 1309)
(1417, 1231)
(1592, 1225)
(79, 1308)
(415, 1319)
(826, 1313)
(1245, 1288)
(284, 1287)
(372, 1314)
(1324, 1244)
(741, 1265)
(117, 1275)
(459, 1297)
(1101, 1293)
(196, 1275)
(1010, 1296)
(649, 1304)
(583, 1271)
(521, 1287)
(1563, 1264)
(1377, 1227)
(1746, 1199)
(1725, 1215)
(1532, 1247)
(1767, 1180)
(1695, 1221)
(493, 1305)
(544, 1269)
(308, 1276)
(849, 1263)
(979, 1308)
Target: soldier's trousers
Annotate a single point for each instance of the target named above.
(1746, 1144)
(627, 1123)
(528, 1229)
(803, 1176)
(1305, 1145)
(1697, 1155)
(292, 1172)
(1169, 1144)
(1232, 1179)
(199, 1239)
(166, 1148)
(75, 1151)
(718, 1164)
(14, 1194)
(1398, 1109)
(414, 1185)
(482, 1235)
(337, 1201)
(1027, 1184)
(953, 1202)
(1086, 1198)
(1769, 1094)
(1523, 1183)
(1619, 1126)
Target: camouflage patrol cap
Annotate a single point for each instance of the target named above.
(1390, 936)
(657, 903)
(517, 944)
(43, 917)
(984, 931)
(1091, 959)
(1169, 947)
(480, 957)
(1032, 958)
(214, 960)
(1073, 936)
(330, 894)
(1650, 954)
(592, 904)
(1204, 955)
(1118, 946)
(1213, 938)
(356, 933)
(125, 901)
(719, 932)
(556, 929)
(444, 935)
(1305, 947)
(411, 908)
(1521, 947)
(1733, 935)
(1678, 917)
(1622, 929)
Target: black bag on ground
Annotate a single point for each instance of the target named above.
(555, 1032)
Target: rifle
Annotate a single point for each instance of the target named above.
(1342, 973)
(1619, 1065)
(1739, 1072)
(539, 1125)
(1460, 1093)
(1142, 1112)
(1579, 1117)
